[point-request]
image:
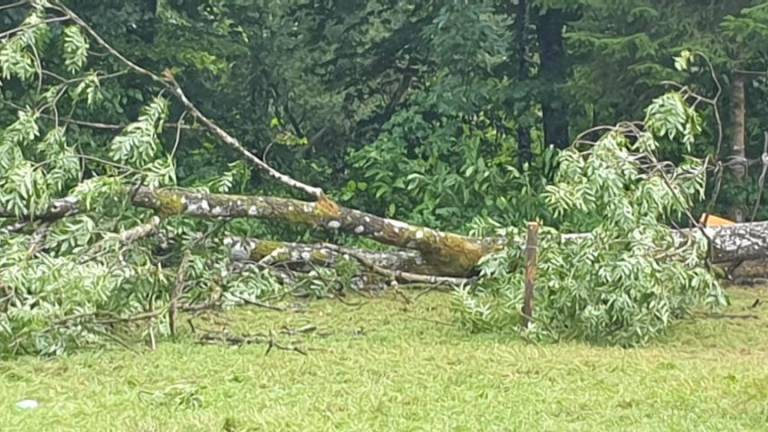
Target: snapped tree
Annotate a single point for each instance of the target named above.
(100, 235)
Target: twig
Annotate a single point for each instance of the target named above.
(140, 231)
(751, 72)
(39, 67)
(146, 316)
(74, 17)
(405, 298)
(115, 339)
(75, 80)
(430, 321)
(199, 307)
(680, 200)
(152, 341)
(752, 281)
(178, 134)
(340, 297)
(91, 158)
(124, 238)
(714, 101)
(426, 291)
(176, 293)
(727, 316)
(192, 326)
(96, 125)
(236, 145)
(29, 26)
(14, 228)
(13, 5)
(309, 328)
(260, 304)
(719, 170)
(230, 339)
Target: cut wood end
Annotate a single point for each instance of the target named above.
(327, 207)
(711, 221)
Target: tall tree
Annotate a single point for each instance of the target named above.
(519, 68)
(553, 76)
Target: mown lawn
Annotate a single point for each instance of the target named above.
(387, 365)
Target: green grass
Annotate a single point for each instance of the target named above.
(391, 366)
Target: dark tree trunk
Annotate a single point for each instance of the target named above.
(553, 76)
(521, 32)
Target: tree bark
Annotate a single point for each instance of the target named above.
(738, 124)
(520, 12)
(738, 138)
(439, 253)
(554, 74)
(445, 253)
(269, 252)
(451, 254)
(395, 266)
(740, 242)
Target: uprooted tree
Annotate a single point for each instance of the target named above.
(99, 236)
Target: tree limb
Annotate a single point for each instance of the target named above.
(397, 274)
(257, 250)
(451, 254)
(446, 254)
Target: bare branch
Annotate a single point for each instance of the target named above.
(140, 231)
(13, 5)
(180, 126)
(396, 274)
(13, 31)
(176, 292)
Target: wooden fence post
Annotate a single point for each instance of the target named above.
(531, 258)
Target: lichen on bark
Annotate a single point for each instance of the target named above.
(448, 253)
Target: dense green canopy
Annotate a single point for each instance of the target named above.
(425, 102)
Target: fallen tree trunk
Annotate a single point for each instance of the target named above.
(446, 253)
(739, 242)
(270, 252)
(443, 253)
(402, 266)
(439, 253)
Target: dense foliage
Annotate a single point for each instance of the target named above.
(456, 115)
(629, 277)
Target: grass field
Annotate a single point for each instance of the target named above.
(388, 365)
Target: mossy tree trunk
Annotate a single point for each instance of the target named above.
(442, 253)
(436, 252)
(447, 253)
(269, 252)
